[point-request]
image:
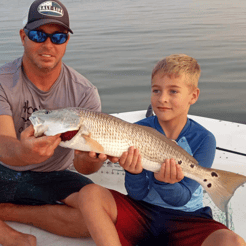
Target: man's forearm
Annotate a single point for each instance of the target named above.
(10, 151)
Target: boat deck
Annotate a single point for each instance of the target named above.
(230, 156)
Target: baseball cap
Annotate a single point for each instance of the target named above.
(43, 12)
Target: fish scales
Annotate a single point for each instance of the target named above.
(118, 133)
(116, 136)
(107, 134)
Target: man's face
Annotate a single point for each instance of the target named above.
(45, 56)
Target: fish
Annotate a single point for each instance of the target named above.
(87, 130)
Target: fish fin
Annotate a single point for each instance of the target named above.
(222, 185)
(174, 141)
(94, 145)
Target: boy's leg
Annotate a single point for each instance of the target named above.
(11, 237)
(224, 238)
(99, 209)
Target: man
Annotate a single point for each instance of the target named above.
(33, 170)
(10, 237)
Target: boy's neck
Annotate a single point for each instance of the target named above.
(172, 129)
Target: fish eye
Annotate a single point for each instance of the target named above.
(47, 112)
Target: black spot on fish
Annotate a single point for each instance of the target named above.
(192, 166)
(180, 162)
(209, 185)
(205, 180)
(214, 174)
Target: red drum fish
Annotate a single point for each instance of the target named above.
(87, 130)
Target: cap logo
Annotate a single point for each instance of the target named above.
(50, 8)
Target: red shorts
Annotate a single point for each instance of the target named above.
(143, 224)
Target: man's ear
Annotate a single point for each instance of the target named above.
(22, 36)
(195, 95)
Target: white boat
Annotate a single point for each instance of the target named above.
(230, 156)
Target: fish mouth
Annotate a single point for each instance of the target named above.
(66, 136)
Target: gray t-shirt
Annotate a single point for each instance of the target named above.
(19, 98)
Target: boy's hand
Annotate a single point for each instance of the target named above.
(131, 161)
(170, 172)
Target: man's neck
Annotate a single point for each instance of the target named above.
(42, 79)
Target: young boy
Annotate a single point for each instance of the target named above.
(163, 208)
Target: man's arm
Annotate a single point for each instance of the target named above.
(28, 150)
(90, 162)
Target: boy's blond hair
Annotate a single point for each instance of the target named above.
(179, 65)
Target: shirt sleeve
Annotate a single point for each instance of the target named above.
(5, 108)
(137, 185)
(81, 92)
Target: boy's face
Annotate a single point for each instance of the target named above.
(171, 98)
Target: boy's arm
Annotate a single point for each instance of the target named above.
(175, 194)
(137, 185)
(179, 194)
(136, 180)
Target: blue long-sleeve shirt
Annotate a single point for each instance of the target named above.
(187, 194)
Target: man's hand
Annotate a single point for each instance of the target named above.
(88, 162)
(36, 150)
(131, 161)
(170, 172)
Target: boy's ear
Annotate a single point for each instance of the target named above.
(195, 95)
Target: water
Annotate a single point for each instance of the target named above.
(116, 43)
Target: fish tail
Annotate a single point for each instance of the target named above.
(221, 186)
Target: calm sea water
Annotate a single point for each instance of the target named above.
(116, 43)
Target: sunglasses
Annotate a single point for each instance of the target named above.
(40, 37)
